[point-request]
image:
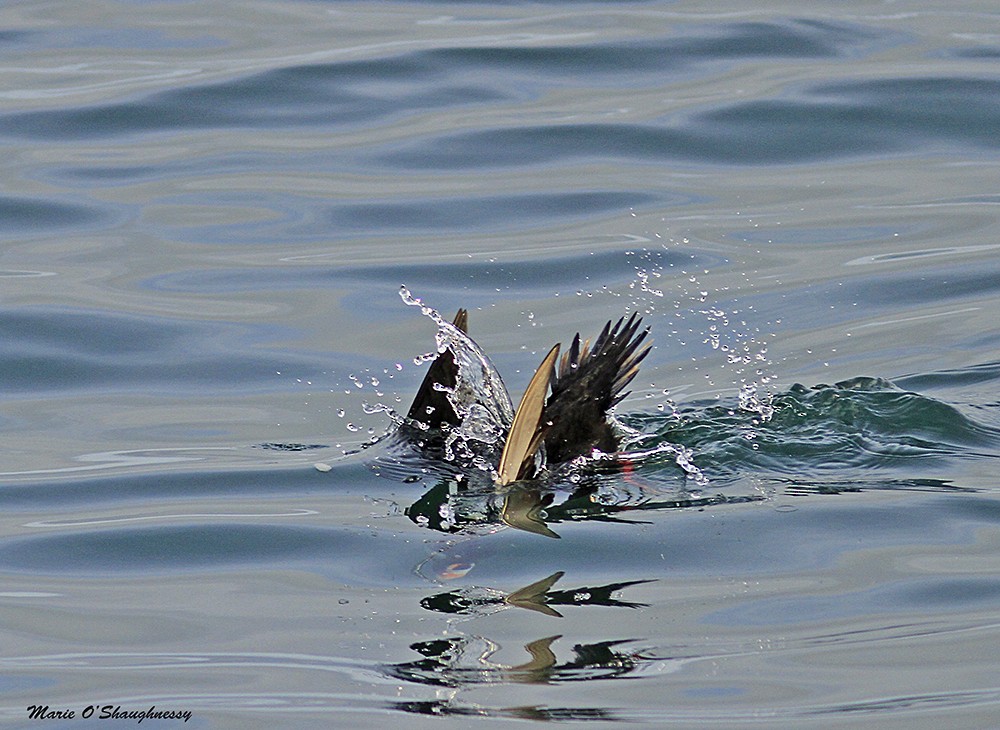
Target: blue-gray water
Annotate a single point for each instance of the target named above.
(207, 212)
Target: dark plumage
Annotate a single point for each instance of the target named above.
(573, 421)
(430, 405)
(589, 382)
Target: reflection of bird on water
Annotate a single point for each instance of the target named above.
(461, 661)
(571, 422)
(446, 507)
(537, 596)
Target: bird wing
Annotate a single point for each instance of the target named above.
(431, 405)
(526, 431)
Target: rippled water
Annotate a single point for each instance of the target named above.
(209, 210)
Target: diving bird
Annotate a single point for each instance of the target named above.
(563, 413)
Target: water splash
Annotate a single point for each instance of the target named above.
(725, 328)
(479, 398)
(846, 431)
(481, 401)
(638, 448)
(751, 445)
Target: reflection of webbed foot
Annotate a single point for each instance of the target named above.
(537, 596)
(522, 510)
(532, 597)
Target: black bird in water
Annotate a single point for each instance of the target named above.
(571, 421)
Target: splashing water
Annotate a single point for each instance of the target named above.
(751, 444)
(726, 332)
(633, 452)
(479, 398)
(483, 405)
(481, 401)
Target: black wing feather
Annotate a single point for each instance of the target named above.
(431, 405)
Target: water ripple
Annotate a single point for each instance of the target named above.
(48, 349)
(823, 122)
(27, 216)
(174, 548)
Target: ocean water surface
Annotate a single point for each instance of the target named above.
(209, 210)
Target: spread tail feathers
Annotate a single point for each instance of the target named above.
(591, 379)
